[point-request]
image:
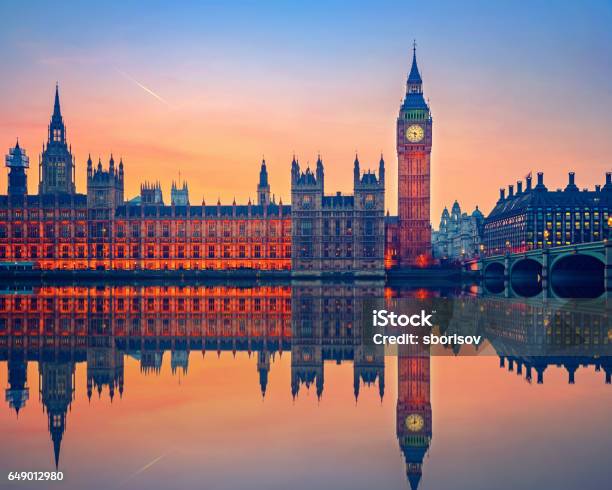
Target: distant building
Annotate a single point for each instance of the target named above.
(535, 217)
(459, 235)
(337, 233)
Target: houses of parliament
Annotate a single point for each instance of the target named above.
(63, 230)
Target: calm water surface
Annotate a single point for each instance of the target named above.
(272, 387)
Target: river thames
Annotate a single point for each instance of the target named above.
(273, 386)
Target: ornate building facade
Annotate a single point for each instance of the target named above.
(414, 143)
(535, 217)
(337, 233)
(61, 229)
(459, 235)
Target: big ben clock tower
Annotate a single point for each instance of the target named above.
(414, 126)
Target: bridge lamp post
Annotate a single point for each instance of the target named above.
(609, 226)
(546, 235)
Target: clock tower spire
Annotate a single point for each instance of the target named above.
(414, 141)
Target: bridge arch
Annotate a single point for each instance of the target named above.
(577, 275)
(526, 277)
(595, 255)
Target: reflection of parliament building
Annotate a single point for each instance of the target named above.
(317, 322)
(61, 326)
(326, 326)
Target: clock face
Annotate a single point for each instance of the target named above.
(414, 422)
(415, 133)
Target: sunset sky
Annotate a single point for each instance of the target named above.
(208, 89)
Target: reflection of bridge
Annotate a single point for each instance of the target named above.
(569, 271)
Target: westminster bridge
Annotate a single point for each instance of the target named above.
(582, 270)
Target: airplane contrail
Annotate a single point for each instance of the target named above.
(145, 467)
(144, 87)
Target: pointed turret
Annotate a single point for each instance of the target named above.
(415, 82)
(414, 99)
(414, 76)
(57, 113)
(57, 442)
(263, 174)
(414, 478)
(320, 172)
(89, 167)
(263, 188)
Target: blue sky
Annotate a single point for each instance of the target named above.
(516, 86)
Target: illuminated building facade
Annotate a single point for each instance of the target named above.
(414, 142)
(535, 217)
(60, 229)
(63, 230)
(337, 233)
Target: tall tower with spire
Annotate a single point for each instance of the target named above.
(414, 141)
(56, 172)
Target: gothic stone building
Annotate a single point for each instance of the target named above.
(337, 233)
(60, 229)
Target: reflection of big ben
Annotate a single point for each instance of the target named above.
(57, 391)
(413, 409)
